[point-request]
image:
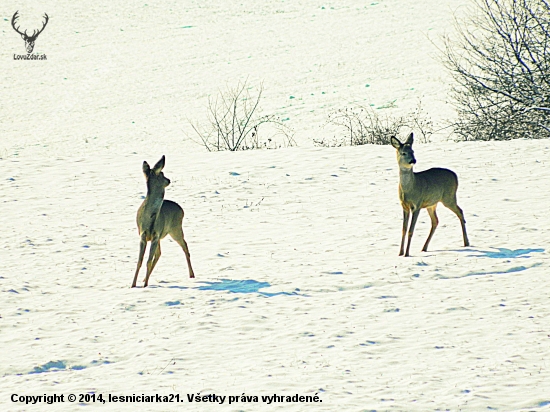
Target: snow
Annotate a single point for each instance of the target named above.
(299, 289)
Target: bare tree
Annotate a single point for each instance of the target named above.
(365, 125)
(234, 122)
(501, 65)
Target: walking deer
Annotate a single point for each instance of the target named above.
(157, 218)
(424, 190)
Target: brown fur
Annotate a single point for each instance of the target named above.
(424, 190)
(157, 218)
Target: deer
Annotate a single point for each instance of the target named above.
(156, 218)
(29, 40)
(424, 190)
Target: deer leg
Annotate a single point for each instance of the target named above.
(435, 221)
(156, 257)
(458, 211)
(411, 229)
(177, 235)
(406, 214)
(142, 245)
(152, 253)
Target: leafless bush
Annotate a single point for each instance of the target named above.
(501, 65)
(234, 122)
(365, 125)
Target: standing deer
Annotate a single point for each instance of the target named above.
(157, 218)
(29, 40)
(424, 190)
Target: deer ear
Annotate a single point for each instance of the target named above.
(410, 139)
(160, 165)
(146, 169)
(395, 143)
(23, 36)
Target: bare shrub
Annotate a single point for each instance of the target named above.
(501, 65)
(366, 125)
(234, 121)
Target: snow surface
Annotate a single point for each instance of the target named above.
(299, 288)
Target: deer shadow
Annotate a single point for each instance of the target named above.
(503, 253)
(242, 286)
(499, 253)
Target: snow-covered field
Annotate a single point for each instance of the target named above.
(299, 288)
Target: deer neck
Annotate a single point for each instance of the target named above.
(153, 201)
(406, 179)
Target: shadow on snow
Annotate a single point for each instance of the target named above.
(241, 286)
(503, 253)
(495, 272)
(54, 366)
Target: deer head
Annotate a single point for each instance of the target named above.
(29, 40)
